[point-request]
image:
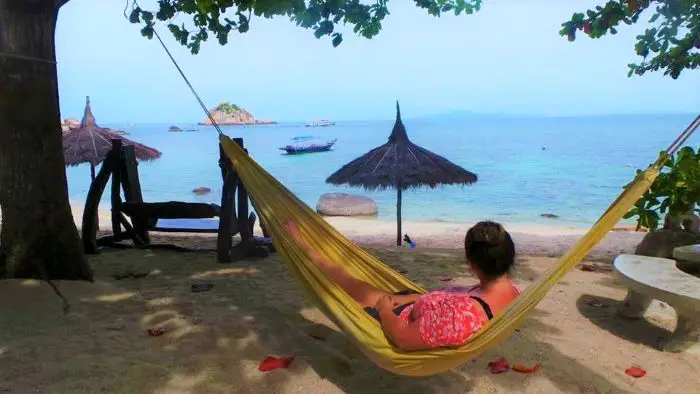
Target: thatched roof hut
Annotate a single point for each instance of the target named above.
(400, 164)
(90, 143)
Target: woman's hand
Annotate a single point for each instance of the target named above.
(385, 302)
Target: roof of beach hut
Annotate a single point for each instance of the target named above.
(400, 164)
(90, 143)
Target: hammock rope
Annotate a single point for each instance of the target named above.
(275, 204)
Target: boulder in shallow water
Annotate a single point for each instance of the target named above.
(549, 216)
(342, 204)
(174, 129)
(200, 191)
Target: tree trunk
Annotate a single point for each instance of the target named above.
(38, 238)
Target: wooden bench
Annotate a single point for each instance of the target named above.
(652, 278)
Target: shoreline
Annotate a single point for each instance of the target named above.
(370, 226)
(530, 240)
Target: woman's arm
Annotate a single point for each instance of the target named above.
(296, 235)
(404, 335)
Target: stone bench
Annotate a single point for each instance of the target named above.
(688, 258)
(652, 278)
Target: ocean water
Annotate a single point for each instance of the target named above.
(571, 167)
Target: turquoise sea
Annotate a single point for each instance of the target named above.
(572, 167)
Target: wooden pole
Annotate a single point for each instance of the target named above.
(92, 180)
(116, 197)
(398, 215)
(92, 203)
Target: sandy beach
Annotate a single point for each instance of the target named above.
(531, 240)
(215, 340)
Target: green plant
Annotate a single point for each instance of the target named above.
(673, 38)
(228, 108)
(676, 191)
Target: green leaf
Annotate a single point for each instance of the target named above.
(337, 39)
(134, 17)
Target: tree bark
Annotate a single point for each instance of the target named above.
(38, 238)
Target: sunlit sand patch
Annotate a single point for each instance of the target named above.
(163, 316)
(115, 297)
(223, 343)
(181, 383)
(31, 282)
(183, 330)
(248, 341)
(164, 301)
(225, 271)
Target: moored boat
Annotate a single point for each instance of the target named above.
(320, 123)
(307, 144)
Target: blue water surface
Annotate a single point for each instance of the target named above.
(572, 167)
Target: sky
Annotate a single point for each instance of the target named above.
(506, 59)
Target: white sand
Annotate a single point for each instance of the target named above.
(532, 240)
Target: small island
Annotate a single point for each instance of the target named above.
(227, 114)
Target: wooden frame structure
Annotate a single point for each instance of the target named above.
(121, 166)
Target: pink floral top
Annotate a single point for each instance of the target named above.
(447, 317)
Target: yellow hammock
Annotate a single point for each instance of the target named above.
(275, 204)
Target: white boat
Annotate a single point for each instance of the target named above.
(320, 123)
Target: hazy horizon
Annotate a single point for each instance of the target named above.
(507, 60)
(424, 117)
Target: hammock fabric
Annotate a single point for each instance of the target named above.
(275, 204)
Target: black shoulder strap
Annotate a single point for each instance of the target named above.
(484, 305)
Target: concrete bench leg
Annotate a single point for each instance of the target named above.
(686, 337)
(635, 305)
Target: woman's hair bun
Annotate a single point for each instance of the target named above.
(489, 233)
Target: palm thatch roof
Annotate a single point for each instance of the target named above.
(400, 164)
(90, 143)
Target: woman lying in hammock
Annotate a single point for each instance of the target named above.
(446, 317)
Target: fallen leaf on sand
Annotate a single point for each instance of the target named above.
(635, 371)
(499, 366)
(271, 363)
(446, 278)
(156, 332)
(525, 369)
(402, 271)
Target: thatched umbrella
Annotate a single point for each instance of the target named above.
(90, 143)
(402, 165)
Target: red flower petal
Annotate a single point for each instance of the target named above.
(635, 372)
(156, 332)
(499, 366)
(525, 369)
(271, 363)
